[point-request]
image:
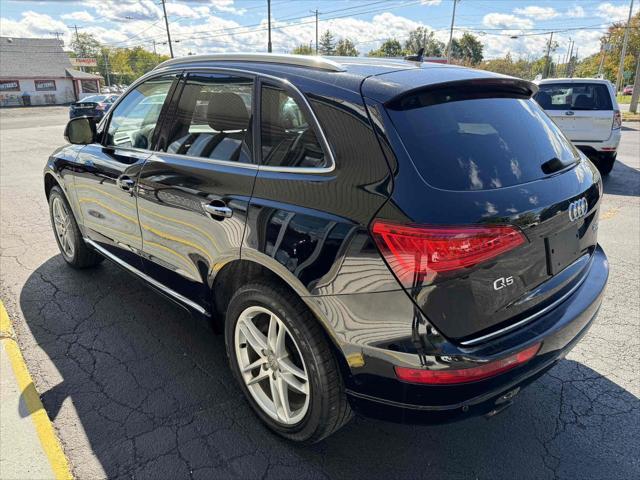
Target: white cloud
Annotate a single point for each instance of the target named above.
(505, 20)
(32, 24)
(430, 2)
(82, 16)
(227, 6)
(538, 13)
(615, 13)
(575, 12)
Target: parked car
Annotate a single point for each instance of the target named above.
(628, 90)
(587, 112)
(416, 242)
(94, 106)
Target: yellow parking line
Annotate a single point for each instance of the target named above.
(48, 439)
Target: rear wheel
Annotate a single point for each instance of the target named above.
(72, 247)
(283, 363)
(605, 162)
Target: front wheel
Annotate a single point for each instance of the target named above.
(284, 364)
(72, 247)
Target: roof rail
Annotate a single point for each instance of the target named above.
(283, 59)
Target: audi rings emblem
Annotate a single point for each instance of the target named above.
(578, 209)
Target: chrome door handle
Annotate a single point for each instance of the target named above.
(126, 183)
(220, 211)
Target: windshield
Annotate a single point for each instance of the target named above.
(482, 143)
(574, 96)
(94, 98)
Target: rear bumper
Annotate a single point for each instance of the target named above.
(384, 396)
(609, 145)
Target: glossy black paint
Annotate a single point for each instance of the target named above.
(311, 231)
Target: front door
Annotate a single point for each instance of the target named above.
(108, 171)
(193, 192)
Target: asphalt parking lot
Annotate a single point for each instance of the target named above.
(138, 389)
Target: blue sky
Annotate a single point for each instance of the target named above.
(226, 25)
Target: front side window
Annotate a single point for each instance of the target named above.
(213, 120)
(574, 96)
(288, 139)
(134, 120)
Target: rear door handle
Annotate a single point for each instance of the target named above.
(126, 183)
(219, 211)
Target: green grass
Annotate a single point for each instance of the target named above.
(624, 98)
(630, 117)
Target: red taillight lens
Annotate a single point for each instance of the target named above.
(617, 120)
(413, 252)
(473, 374)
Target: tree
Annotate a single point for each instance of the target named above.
(346, 48)
(423, 38)
(303, 49)
(390, 48)
(467, 49)
(327, 43)
(85, 45)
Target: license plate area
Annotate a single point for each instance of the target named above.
(562, 249)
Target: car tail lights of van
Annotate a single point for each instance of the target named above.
(465, 375)
(617, 120)
(417, 252)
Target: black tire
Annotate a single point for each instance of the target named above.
(605, 162)
(82, 256)
(329, 408)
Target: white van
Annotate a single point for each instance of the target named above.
(587, 112)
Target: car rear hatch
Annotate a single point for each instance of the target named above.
(583, 110)
(493, 217)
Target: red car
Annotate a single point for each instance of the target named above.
(628, 90)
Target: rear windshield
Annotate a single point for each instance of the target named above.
(574, 96)
(480, 144)
(94, 98)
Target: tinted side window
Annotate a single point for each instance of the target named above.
(213, 119)
(574, 96)
(288, 140)
(134, 120)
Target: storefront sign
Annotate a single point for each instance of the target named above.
(9, 85)
(84, 62)
(45, 85)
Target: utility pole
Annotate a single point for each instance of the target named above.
(453, 19)
(269, 22)
(624, 49)
(316, 31)
(106, 67)
(566, 59)
(548, 59)
(154, 47)
(570, 61)
(633, 108)
(605, 47)
(57, 34)
(166, 23)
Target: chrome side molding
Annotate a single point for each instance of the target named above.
(147, 278)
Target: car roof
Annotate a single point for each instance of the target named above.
(573, 80)
(386, 77)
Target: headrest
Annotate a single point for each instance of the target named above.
(227, 111)
(583, 101)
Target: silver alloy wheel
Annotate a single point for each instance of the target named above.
(63, 227)
(271, 365)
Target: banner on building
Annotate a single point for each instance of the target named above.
(9, 85)
(45, 85)
(84, 62)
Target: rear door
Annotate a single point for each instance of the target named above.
(193, 192)
(582, 110)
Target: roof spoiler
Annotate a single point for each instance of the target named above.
(468, 88)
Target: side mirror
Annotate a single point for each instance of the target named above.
(81, 131)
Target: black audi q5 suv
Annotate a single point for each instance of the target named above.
(408, 240)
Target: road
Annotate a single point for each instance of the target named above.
(138, 389)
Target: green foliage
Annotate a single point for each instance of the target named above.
(303, 50)
(423, 38)
(346, 48)
(85, 45)
(467, 50)
(327, 43)
(521, 68)
(390, 48)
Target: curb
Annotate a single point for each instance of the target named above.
(46, 433)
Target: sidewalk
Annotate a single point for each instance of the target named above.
(29, 448)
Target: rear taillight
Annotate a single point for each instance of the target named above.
(617, 120)
(416, 253)
(465, 375)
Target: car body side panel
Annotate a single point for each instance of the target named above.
(61, 165)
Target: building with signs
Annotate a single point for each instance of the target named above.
(37, 71)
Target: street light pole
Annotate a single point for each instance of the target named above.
(453, 19)
(166, 23)
(624, 48)
(316, 31)
(269, 22)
